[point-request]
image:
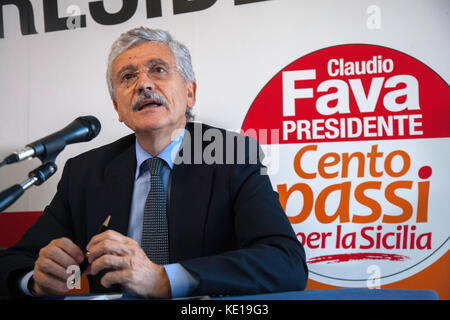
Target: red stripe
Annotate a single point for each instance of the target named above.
(338, 258)
(14, 224)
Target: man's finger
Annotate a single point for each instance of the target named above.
(109, 234)
(72, 249)
(48, 266)
(48, 283)
(59, 256)
(68, 247)
(108, 262)
(107, 247)
(114, 277)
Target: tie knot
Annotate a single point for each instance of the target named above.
(155, 165)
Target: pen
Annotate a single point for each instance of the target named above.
(102, 228)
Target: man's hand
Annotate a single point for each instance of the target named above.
(50, 270)
(133, 269)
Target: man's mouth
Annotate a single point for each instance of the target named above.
(148, 103)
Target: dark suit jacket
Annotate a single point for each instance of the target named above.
(226, 225)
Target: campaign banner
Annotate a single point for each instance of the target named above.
(362, 134)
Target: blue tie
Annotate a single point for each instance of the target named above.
(155, 235)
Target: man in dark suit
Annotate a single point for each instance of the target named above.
(221, 228)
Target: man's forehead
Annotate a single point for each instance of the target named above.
(143, 53)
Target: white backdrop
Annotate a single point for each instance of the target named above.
(49, 79)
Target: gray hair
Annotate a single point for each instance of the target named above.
(140, 35)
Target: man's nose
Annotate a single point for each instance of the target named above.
(145, 83)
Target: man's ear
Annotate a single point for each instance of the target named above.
(116, 107)
(191, 94)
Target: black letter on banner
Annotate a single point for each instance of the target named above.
(183, 6)
(238, 2)
(52, 20)
(100, 15)
(26, 16)
(154, 8)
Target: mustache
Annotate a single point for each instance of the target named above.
(148, 96)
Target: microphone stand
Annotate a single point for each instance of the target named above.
(36, 177)
(47, 149)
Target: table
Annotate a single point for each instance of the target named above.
(343, 294)
(329, 294)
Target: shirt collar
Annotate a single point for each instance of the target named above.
(168, 154)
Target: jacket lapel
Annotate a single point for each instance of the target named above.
(189, 197)
(113, 195)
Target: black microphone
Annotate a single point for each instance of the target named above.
(80, 130)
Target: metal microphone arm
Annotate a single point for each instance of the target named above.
(36, 177)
